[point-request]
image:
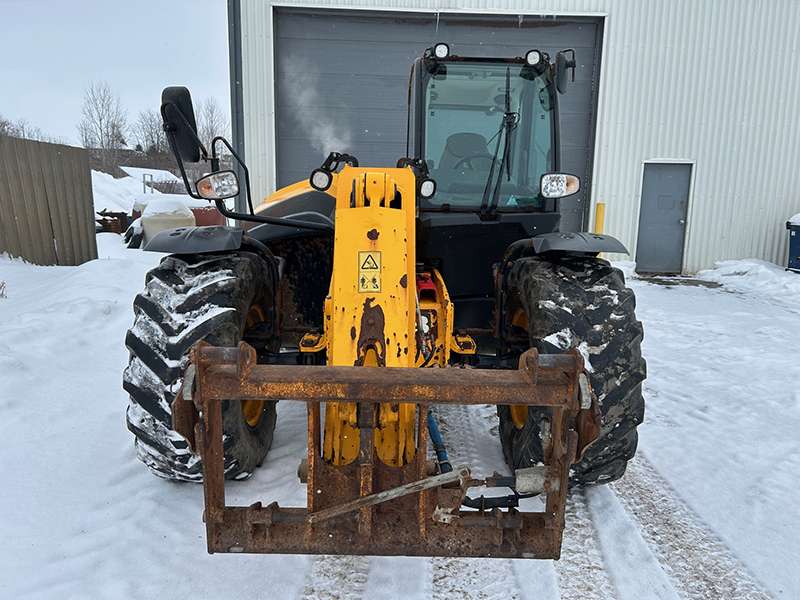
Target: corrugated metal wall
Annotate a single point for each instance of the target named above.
(712, 83)
(46, 206)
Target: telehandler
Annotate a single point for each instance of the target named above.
(371, 294)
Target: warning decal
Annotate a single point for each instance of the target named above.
(369, 272)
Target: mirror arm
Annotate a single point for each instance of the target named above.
(271, 220)
(191, 130)
(572, 63)
(174, 148)
(215, 167)
(241, 163)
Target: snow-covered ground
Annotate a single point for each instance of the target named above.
(710, 508)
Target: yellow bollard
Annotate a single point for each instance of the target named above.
(599, 217)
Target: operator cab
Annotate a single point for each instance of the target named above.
(488, 132)
(477, 115)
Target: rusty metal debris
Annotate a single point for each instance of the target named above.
(367, 507)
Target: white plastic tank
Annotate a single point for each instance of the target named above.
(161, 214)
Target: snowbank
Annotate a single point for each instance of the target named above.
(115, 195)
(757, 277)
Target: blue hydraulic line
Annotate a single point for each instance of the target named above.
(438, 445)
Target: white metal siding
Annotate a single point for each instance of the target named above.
(712, 83)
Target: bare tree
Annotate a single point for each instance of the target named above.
(211, 122)
(6, 127)
(22, 129)
(104, 123)
(148, 132)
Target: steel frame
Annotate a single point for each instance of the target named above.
(367, 507)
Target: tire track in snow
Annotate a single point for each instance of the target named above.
(631, 564)
(484, 578)
(698, 563)
(470, 440)
(581, 572)
(471, 437)
(336, 577)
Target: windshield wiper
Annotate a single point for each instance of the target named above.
(509, 123)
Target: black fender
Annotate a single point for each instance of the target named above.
(585, 243)
(196, 240)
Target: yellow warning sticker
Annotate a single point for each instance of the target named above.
(369, 272)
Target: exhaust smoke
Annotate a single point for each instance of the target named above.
(311, 111)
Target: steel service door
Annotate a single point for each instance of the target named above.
(662, 218)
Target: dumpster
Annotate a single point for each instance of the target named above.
(793, 225)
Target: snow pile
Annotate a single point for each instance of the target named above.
(751, 276)
(115, 195)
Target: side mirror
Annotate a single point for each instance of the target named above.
(179, 123)
(562, 64)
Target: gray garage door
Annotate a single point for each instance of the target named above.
(342, 82)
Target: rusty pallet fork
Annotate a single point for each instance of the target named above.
(367, 507)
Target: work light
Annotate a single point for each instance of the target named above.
(441, 51)
(218, 186)
(320, 179)
(427, 188)
(533, 57)
(558, 185)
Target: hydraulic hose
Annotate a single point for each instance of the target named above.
(438, 446)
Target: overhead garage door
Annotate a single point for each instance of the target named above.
(342, 82)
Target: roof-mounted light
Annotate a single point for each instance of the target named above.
(441, 51)
(533, 57)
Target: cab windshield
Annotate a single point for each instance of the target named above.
(469, 111)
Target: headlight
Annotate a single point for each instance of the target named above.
(427, 189)
(218, 186)
(441, 51)
(320, 179)
(558, 185)
(533, 57)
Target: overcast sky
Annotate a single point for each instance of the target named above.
(51, 49)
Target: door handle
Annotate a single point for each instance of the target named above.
(682, 221)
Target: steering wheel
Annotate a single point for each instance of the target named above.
(467, 160)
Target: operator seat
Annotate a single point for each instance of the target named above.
(461, 145)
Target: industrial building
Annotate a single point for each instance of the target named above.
(683, 119)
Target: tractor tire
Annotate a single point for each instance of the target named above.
(578, 302)
(187, 299)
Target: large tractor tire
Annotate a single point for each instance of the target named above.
(575, 302)
(186, 299)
